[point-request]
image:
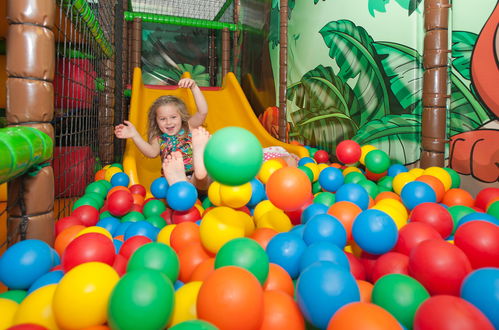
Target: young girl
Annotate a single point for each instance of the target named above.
(174, 135)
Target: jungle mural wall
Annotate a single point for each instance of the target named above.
(355, 72)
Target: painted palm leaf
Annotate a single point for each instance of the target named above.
(463, 43)
(403, 67)
(397, 135)
(351, 47)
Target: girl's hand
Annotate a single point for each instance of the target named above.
(125, 131)
(187, 83)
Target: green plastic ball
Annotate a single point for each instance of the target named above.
(194, 325)
(456, 179)
(316, 187)
(86, 200)
(118, 165)
(377, 161)
(14, 295)
(307, 171)
(157, 221)
(106, 214)
(156, 256)
(457, 212)
(153, 207)
(133, 216)
(233, 156)
(370, 187)
(246, 253)
(354, 177)
(493, 209)
(97, 187)
(385, 183)
(326, 198)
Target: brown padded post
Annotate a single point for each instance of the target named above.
(283, 69)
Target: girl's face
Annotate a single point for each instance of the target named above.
(168, 119)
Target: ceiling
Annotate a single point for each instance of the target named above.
(201, 9)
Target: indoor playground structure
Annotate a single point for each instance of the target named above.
(353, 166)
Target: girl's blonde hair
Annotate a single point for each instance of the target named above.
(153, 130)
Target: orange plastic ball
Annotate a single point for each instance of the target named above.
(279, 279)
(231, 298)
(116, 188)
(280, 311)
(190, 256)
(345, 212)
(203, 270)
(366, 290)
(458, 196)
(263, 236)
(289, 188)
(183, 234)
(386, 194)
(100, 175)
(361, 315)
(435, 183)
(65, 237)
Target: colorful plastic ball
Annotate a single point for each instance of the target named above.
(323, 251)
(119, 203)
(481, 288)
(220, 225)
(390, 263)
(52, 277)
(120, 179)
(109, 223)
(371, 188)
(415, 193)
(279, 280)
(194, 325)
(440, 174)
(385, 184)
(322, 289)
(321, 156)
(191, 256)
(306, 160)
(138, 189)
(87, 214)
(257, 193)
(184, 234)
(153, 207)
(324, 198)
(457, 196)
(400, 180)
(132, 307)
(449, 312)
(235, 196)
(24, 262)
(181, 196)
(312, 210)
(354, 193)
(9, 309)
(132, 244)
(478, 216)
(268, 167)
(325, 228)
(156, 256)
(157, 221)
(97, 187)
(435, 184)
(479, 240)
(36, 310)
(401, 295)
(87, 248)
(365, 149)
(435, 215)
(191, 215)
(348, 152)
(65, 237)
(363, 315)
(233, 156)
(231, 298)
(485, 196)
(395, 169)
(286, 250)
(86, 287)
(439, 266)
(66, 222)
(275, 219)
(456, 179)
(377, 161)
(331, 179)
(288, 188)
(110, 172)
(141, 228)
(280, 311)
(185, 303)
(245, 253)
(413, 233)
(345, 212)
(374, 231)
(159, 187)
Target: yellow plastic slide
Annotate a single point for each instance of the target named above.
(227, 106)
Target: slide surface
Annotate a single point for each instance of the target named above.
(227, 106)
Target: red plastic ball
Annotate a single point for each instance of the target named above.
(413, 233)
(439, 266)
(356, 267)
(348, 152)
(66, 222)
(479, 240)
(132, 244)
(321, 156)
(86, 248)
(119, 265)
(390, 263)
(485, 196)
(435, 215)
(191, 215)
(137, 189)
(88, 215)
(120, 202)
(446, 312)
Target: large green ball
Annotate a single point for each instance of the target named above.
(245, 253)
(401, 295)
(142, 299)
(377, 161)
(153, 207)
(156, 256)
(194, 325)
(233, 156)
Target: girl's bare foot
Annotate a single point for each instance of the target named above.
(200, 137)
(173, 168)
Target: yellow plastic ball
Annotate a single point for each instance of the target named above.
(199, 207)
(440, 174)
(322, 166)
(95, 229)
(364, 151)
(315, 170)
(397, 217)
(185, 303)
(9, 309)
(110, 172)
(268, 167)
(400, 180)
(235, 196)
(396, 204)
(247, 221)
(417, 172)
(275, 219)
(106, 166)
(218, 226)
(165, 233)
(38, 308)
(82, 296)
(262, 208)
(351, 169)
(214, 193)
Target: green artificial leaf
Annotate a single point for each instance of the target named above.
(397, 135)
(404, 69)
(463, 43)
(413, 5)
(327, 107)
(351, 47)
(466, 112)
(377, 5)
(274, 28)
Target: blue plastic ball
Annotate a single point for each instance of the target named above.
(374, 231)
(159, 187)
(111, 224)
(395, 169)
(355, 193)
(142, 228)
(325, 228)
(48, 278)
(323, 251)
(286, 249)
(178, 284)
(322, 289)
(306, 160)
(117, 245)
(120, 179)
(478, 216)
(257, 193)
(24, 262)
(122, 229)
(298, 230)
(55, 257)
(417, 192)
(182, 196)
(331, 179)
(481, 288)
(312, 210)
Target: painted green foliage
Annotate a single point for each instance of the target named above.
(375, 95)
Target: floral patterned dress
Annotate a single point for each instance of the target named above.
(181, 142)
